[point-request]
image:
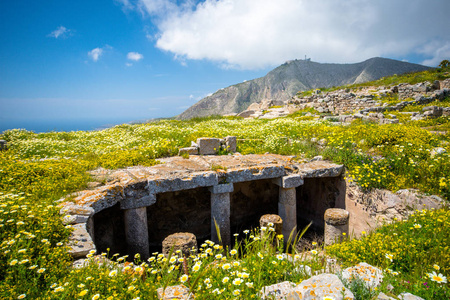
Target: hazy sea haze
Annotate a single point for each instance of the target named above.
(60, 125)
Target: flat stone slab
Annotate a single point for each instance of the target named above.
(137, 186)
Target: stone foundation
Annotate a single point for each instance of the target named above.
(143, 205)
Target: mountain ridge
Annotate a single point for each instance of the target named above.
(283, 82)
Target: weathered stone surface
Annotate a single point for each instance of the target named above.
(371, 276)
(336, 216)
(180, 292)
(277, 291)
(383, 296)
(289, 181)
(136, 231)
(246, 113)
(188, 150)
(132, 202)
(320, 169)
(208, 178)
(320, 286)
(208, 146)
(369, 210)
(273, 219)
(287, 209)
(73, 209)
(80, 241)
(74, 219)
(230, 143)
(220, 217)
(255, 173)
(409, 296)
(183, 241)
(336, 225)
(221, 188)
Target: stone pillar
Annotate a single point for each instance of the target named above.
(220, 212)
(183, 241)
(287, 203)
(136, 231)
(336, 223)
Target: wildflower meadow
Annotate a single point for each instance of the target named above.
(39, 169)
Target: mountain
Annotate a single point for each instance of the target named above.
(283, 82)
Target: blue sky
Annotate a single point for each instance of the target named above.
(112, 61)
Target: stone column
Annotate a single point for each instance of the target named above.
(287, 203)
(336, 223)
(220, 212)
(136, 231)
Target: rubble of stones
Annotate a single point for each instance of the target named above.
(210, 146)
(365, 103)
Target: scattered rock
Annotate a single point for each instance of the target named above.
(277, 291)
(320, 286)
(371, 276)
(382, 296)
(409, 296)
(180, 292)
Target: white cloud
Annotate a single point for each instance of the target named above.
(256, 34)
(128, 64)
(95, 53)
(135, 56)
(438, 51)
(60, 32)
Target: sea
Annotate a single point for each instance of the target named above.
(39, 126)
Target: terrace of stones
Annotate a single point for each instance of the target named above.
(139, 206)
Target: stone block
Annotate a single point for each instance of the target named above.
(183, 241)
(230, 143)
(336, 225)
(136, 231)
(80, 242)
(277, 291)
(179, 184)
(370, 275)
(409, 296)
(130, 202)
(175, 292)
(289, 181)
(221, 188)
(74, 209)
(74, 219)
(255, 173)
(319, 287)
(188, 150)
(208, 146)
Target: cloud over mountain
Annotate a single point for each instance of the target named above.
(251, 34)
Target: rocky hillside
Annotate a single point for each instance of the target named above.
(282, 83)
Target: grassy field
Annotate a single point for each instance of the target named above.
(38, 169)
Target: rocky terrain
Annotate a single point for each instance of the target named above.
(365, 103)
(282, 83)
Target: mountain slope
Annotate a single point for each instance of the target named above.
(291, 77)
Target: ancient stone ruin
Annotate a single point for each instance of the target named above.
(139, 206)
